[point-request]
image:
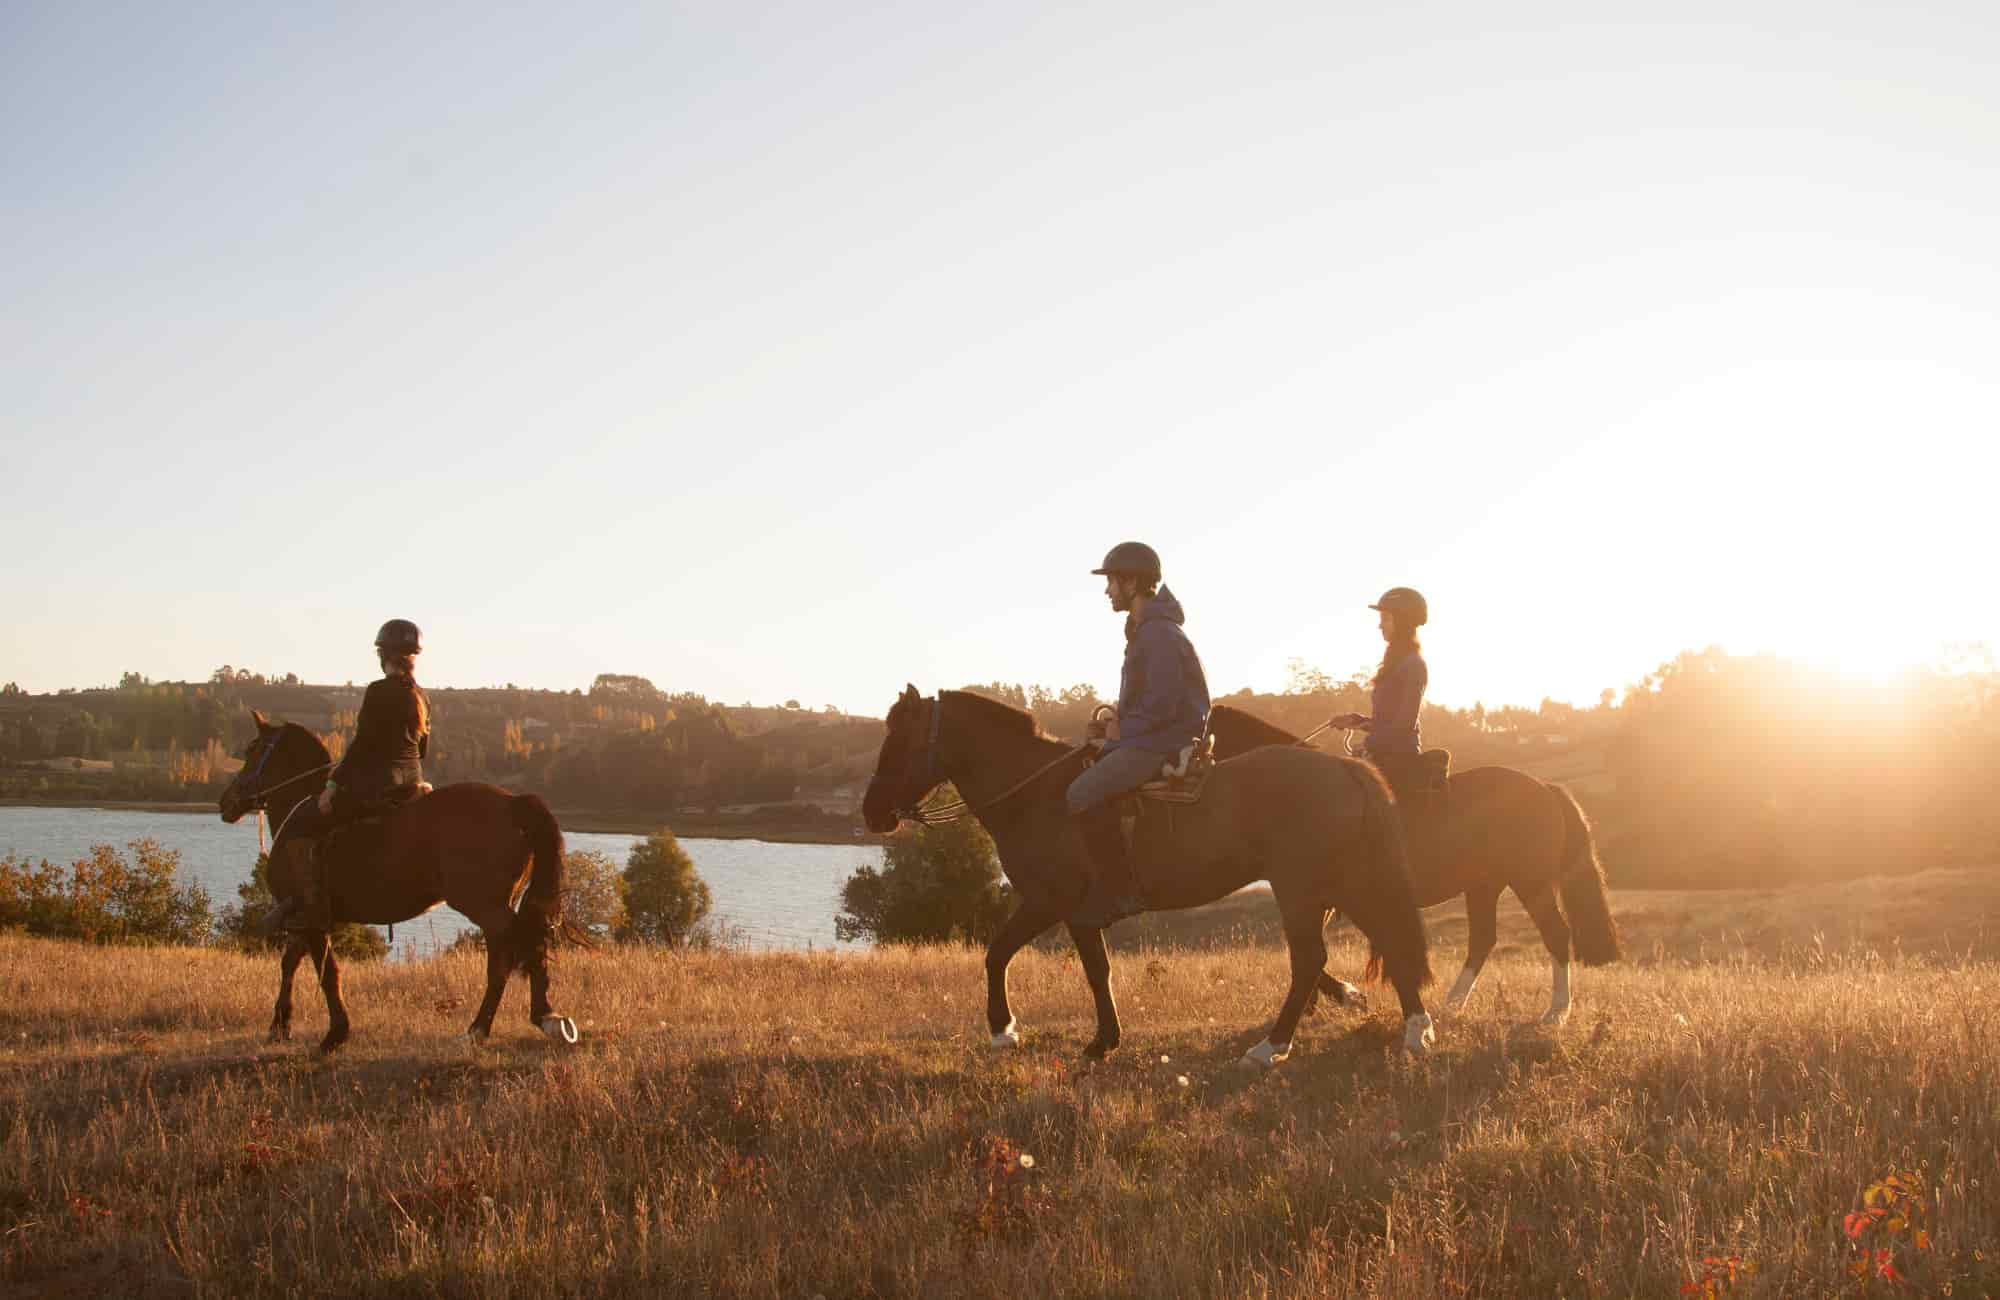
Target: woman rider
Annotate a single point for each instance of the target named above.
(391, 737)
(1393, 743)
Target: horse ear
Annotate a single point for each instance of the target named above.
(910, 691)
(263, 723)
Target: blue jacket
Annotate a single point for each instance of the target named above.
(1397, 700)
(1162, 694)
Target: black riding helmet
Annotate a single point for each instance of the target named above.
(1134, 558)
(1406, 603)
(399, 636)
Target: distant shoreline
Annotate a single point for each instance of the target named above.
(602, 823)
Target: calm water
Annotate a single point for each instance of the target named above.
(777, 895)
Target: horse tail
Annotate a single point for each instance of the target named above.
(1592, 928)
(1395, 928)
(539, 918)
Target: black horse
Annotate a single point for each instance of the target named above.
(1322, 830)
(1505, 830)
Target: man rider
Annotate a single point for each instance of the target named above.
(391, 737)
(1162, 708)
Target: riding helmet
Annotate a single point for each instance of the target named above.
(1134, 558)
(399, 636)
(1405, 602)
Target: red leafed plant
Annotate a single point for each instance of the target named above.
(1889, 1230)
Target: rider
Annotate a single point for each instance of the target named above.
(1162, 708)
(391, 737)
(1398, 689)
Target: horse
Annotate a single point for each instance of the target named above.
(1505, 830)
(1322, 830)
(472, 846)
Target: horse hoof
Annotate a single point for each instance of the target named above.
(475, 1035)
(1009, 1037)
(1268, 1054)
(1418, 1034)
(1555, 1018)
(278, 1035)
(1099, 1049)
(559, 1029)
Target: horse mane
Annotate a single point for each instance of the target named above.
(1004, 718)
(1269, 733)
(311, 739)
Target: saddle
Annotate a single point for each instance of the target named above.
(1182, 777)
(358, 832)
(1420, 782)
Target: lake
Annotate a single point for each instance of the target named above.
(775, 895)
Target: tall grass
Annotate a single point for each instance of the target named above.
(771, 1124)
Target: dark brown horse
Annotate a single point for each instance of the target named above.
(1505, 830)
(1322, 830)
(472, 846)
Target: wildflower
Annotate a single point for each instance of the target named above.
(1182, 1081)
(1164, 1058)
(1027, 1161)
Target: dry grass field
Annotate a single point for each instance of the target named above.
(1711, 1122)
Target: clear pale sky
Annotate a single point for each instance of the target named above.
(799, 351)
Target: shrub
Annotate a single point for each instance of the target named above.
(105, 898)
(936, 884)
(666, 900)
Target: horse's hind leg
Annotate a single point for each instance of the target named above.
(1540, 901)
(1305, 937)
(499, 965)
(329, 983)
(1482, 928)
(288, 966)
(1097, 970)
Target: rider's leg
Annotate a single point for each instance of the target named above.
(1114, 891)
(315, 909)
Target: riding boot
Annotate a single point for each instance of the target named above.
(1114, 889)
(314, 910)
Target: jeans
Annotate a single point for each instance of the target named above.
(1113, 774)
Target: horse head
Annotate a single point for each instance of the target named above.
(280, 755)
(905, 770)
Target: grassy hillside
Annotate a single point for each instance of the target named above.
(835, 1125)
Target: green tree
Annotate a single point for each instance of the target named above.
(242, 927)
(936, 884)
(666, 900)
(593, 893)
(106, 898)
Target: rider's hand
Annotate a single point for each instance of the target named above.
(326, 800)
(1346, 721)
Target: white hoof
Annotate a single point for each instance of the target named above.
(1418, 1035)
(1268, 1054)
(1555, 1017)
(560, 1029)
(1008, 1037)
(474, 1036)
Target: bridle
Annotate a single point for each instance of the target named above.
(259, 800)
(959, 808)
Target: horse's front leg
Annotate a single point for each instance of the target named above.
(288, 966)
(1097, 969)
(1020, 929)
(329, 983)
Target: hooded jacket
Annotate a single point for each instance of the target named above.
(1162, 693)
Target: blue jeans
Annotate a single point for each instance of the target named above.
(1111, 775)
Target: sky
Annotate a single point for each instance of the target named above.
(799, 351)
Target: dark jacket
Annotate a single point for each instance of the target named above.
(391, 737)
(1397, 700)
(1162, 694)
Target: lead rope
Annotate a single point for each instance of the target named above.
(260, 832)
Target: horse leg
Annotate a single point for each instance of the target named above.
(1097, 969)
(558, 1028)
(288, 966)
(1482, 920)
(1343, 993)
(1028, 920)
(329, 984)
(499, 965)
(1305, 937)
(1540, 900)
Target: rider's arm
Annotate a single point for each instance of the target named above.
(372, 742)
(1405, 697)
